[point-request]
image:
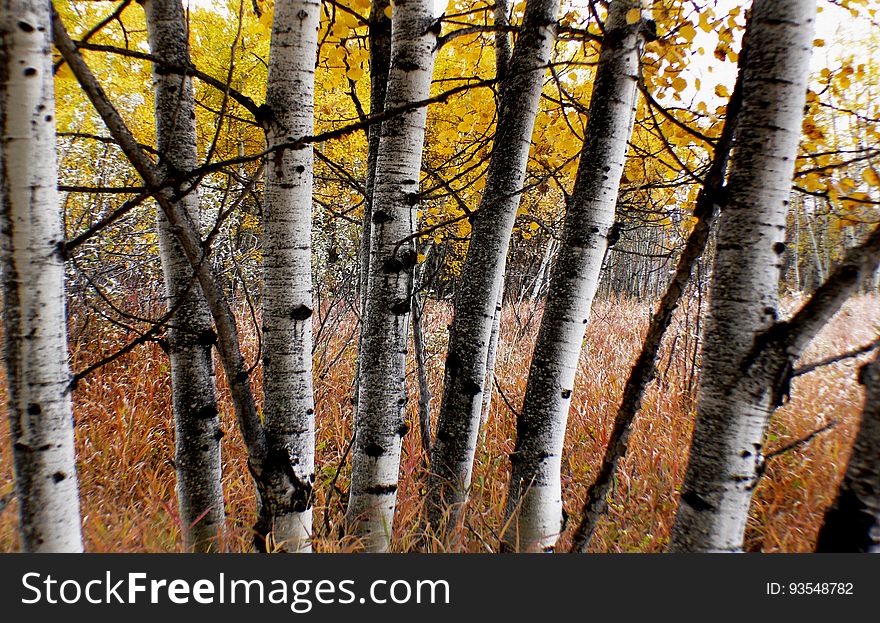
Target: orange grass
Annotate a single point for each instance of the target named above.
(124, 436)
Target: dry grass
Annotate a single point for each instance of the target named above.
(124, 438)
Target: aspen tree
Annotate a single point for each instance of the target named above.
(190, 335)
(534, 507)
(35, 330)
(380, 420)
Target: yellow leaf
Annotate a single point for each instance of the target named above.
(64, 73)
(355, 73)
(721, 91)
(688, 31)
(818, 43)
(871, 177)
(388, 11)
(633, 16)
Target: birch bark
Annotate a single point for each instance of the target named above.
(502, 64)
(31, 234)
(190, 335)
(483, 271)
(534, 505)
(380, 421)
(733, 410)
(289, 411)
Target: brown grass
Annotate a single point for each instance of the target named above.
(125, 436)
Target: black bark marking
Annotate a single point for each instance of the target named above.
(403, 429)
(471, 387)
(381, 490)
(300, 169)
(696, 502)
(58, 477)
(401, 307)
(407, 65)
(779, 248)
(374, 450)
(207, 338)
(30, 72)
(34, 409)
(25, 27)
(208, 412)
(380, 216)
(565, 393)
(301, 312)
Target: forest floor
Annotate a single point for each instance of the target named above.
(124, 434)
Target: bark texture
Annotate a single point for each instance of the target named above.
(644, 370)
(852, 522)
(380, 62)
(31, 234)
(534, 505)
(190, 335)
(733, 407)
(483, 271)
(380, 421)
(289, 411)
(503, 53)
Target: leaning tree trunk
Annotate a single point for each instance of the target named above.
(733, 410)
(190, 335)
(502, 66)
(380, 60)
(228, 344)
(534, 505)
(379, 42)
(380, 421)
(289, 411)
(483, 272)
(31, 234)
(852, 522)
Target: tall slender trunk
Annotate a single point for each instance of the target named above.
(852, 522)
(190, 336)
(733, 410)
(420, 348)
(491, 358)
(31, 234)
(644, 370)
(502, 67)
(535, 494)
(380, 61)
(289, 411)
(483, 272)
(380, 421)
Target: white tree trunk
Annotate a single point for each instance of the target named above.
(503, 53)
(380, 421)
(31, 233)
(289, 412)
(491, 356)
(483, 272)
(733, 412)
(534, 505)
(190, 336)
